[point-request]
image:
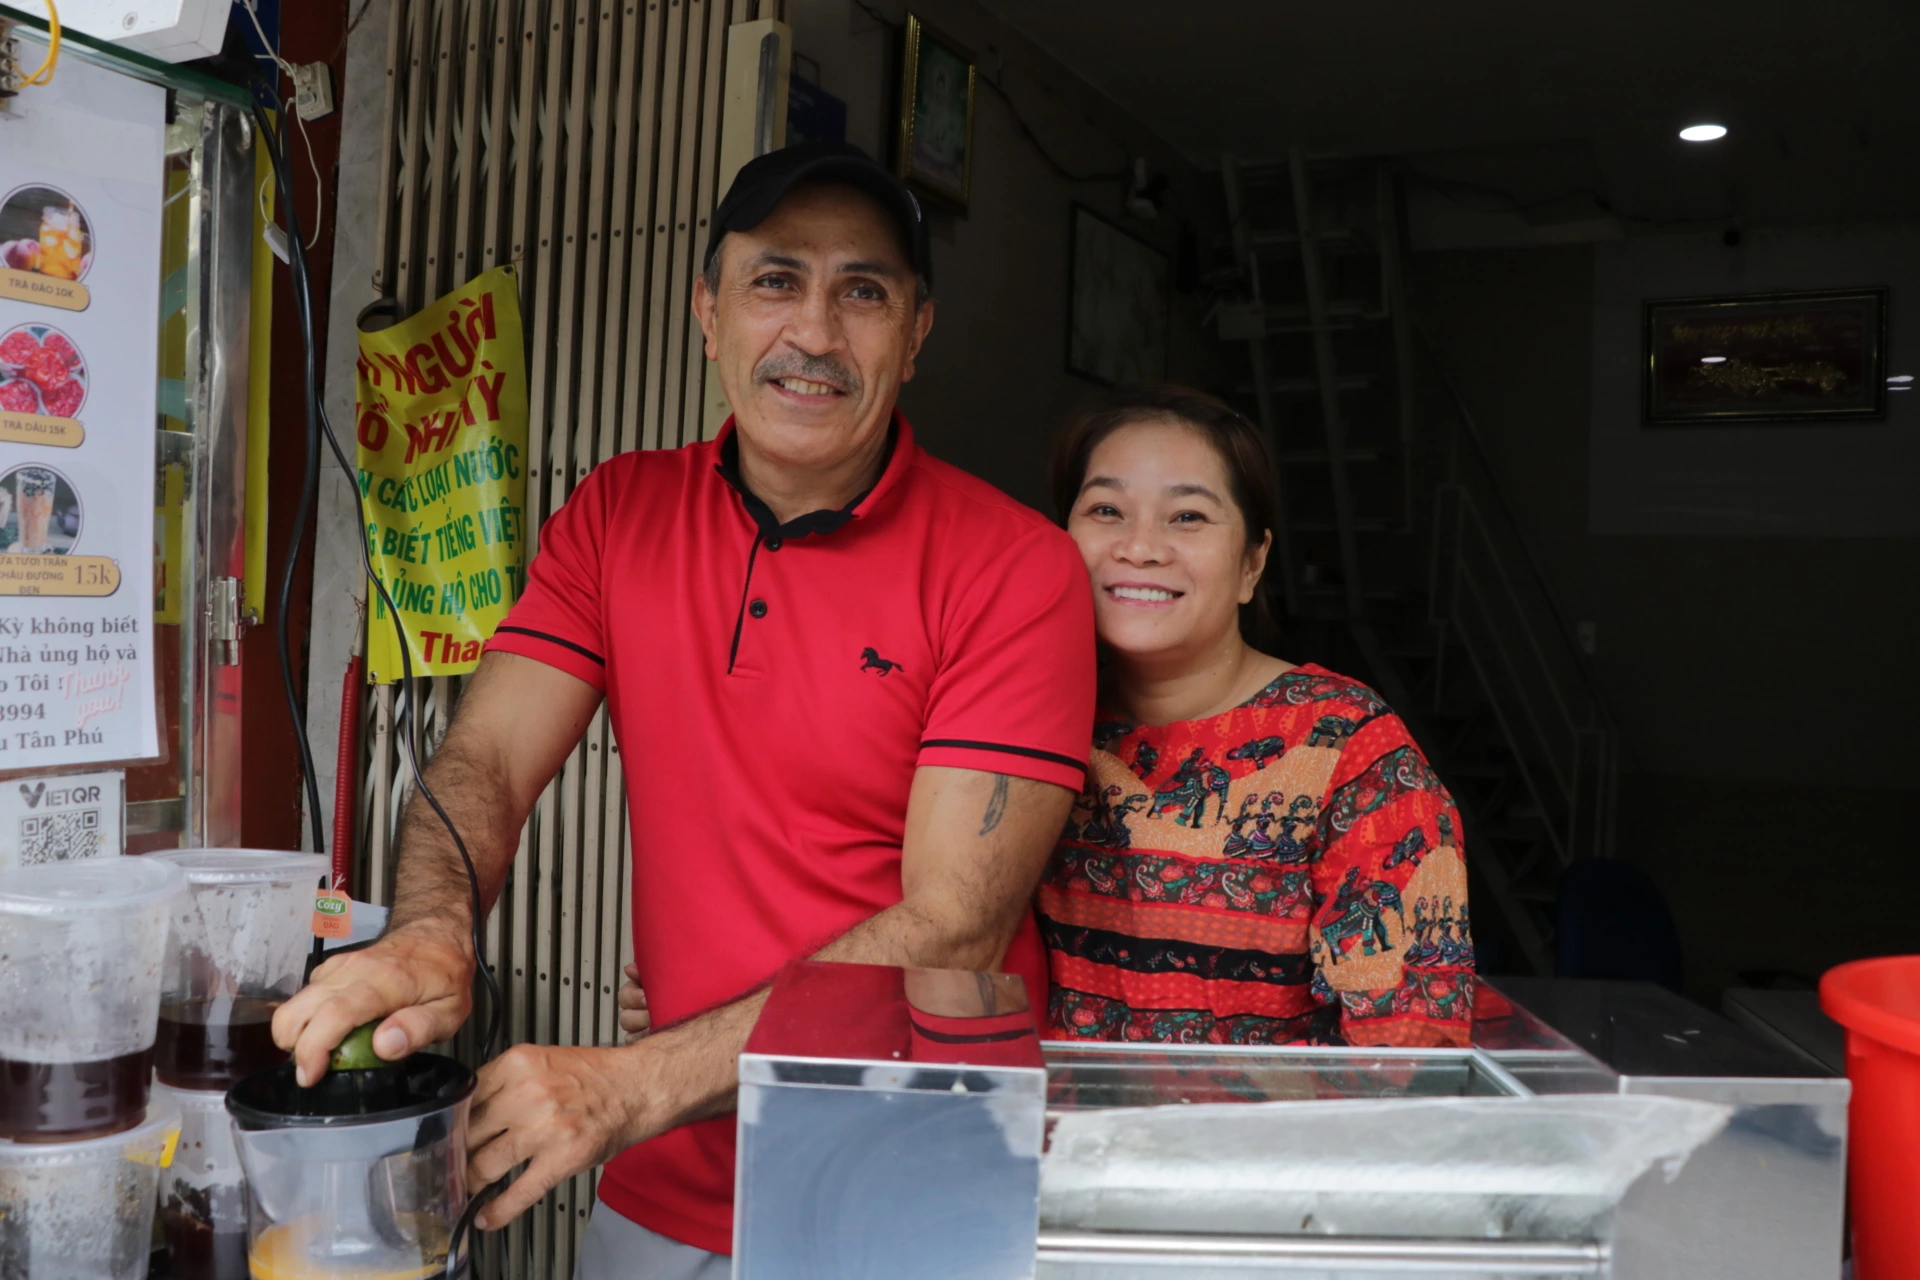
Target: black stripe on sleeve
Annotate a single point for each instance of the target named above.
(1033, 752)
(564, 644)
(979, 1037)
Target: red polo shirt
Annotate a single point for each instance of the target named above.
(772, 689)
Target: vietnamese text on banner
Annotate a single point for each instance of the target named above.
(441, 417)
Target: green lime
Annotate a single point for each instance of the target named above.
(356, 1051)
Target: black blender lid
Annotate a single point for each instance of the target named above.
(415, 1086)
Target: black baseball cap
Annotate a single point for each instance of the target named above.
(765, 180)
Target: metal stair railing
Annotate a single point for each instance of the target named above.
(1553, 748)
(1490, 596)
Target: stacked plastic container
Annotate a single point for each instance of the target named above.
(83, 1138)
(240, 939)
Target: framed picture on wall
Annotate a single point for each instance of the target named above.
(935, 154)
(1766, 357)
(1119, 291)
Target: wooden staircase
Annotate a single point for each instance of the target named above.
(1398, 559)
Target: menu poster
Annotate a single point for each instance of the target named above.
(80, 201)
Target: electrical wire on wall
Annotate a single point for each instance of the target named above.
(318, 428)
(287, 69)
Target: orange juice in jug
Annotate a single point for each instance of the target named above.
(287, 1252)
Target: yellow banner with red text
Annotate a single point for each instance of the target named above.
(441, 422)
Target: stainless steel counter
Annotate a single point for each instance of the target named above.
(904, 1123)
(1762, 1201)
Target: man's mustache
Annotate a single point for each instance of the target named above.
(809, 368)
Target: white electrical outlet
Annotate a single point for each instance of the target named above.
(313, 90)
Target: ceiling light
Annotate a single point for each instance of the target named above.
(1703, 133)
(1713, 359)
(1901, 377)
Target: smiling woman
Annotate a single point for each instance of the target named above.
(1261, 854)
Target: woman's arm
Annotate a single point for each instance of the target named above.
(1391, 939)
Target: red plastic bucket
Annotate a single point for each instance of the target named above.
(1878, 1002)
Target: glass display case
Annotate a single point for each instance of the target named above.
(1098, 1076)
(897, 1122)
(1251, 1160)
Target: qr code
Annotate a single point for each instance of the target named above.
(59, 837)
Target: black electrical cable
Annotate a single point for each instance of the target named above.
(319, 426)
(303, 511)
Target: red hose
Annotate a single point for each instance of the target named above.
(346, 774)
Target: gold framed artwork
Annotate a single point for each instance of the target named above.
(1766, 357)
(935, 155)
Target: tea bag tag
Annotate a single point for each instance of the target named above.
(332, 915)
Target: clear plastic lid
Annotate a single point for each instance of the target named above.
(196, 1102)
(244, 866)
(86, 888)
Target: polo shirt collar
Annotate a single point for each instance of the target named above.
(893, 464)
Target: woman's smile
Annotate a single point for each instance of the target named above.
(1141, 594)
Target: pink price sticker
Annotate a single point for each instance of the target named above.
(332, 915)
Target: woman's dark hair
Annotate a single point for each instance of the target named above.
(1242, 447)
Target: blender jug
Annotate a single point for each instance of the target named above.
(81, 949)
(240, 940)
(340, 1188)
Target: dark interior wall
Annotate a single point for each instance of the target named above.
(1764, 686)
(992, 382)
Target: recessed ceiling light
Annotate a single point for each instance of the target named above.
(1713, 359)
(1703, 132)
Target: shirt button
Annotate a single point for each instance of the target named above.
(773, 544)
(758, 608)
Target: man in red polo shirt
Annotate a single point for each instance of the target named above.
(852, 689)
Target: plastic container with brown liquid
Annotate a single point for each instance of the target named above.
(203, 1197)
(240, 942)
(81, 950)
(85, 1208)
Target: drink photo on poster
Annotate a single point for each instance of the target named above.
(44, 230)
(41, 372)
(39, 512)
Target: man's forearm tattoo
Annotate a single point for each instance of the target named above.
(996, 805)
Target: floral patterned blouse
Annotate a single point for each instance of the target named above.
(1289, 871)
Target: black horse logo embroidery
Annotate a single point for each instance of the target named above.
(870, 660)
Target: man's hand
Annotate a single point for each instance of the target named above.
(565, 1109)
(420, 978)
(515, 725)
(635, 1018)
